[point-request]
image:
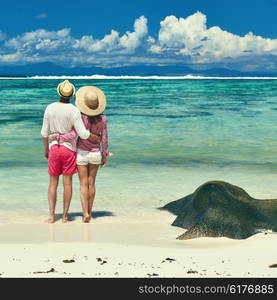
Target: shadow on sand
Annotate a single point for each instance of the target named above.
(96, 214)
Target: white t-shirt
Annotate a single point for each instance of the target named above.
(61, 118)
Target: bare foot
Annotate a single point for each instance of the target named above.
(51, 220)
(86, 219)
(65, 220)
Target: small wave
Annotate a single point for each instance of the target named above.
(155, 77)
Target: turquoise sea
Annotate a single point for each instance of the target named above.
(168, 136)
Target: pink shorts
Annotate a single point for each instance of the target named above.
(61, 160)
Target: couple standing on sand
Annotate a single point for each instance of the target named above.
(78, 143)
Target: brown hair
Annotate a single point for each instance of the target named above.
(95, 119)
(64, 99)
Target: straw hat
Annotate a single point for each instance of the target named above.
(90, 100)
(66, 89)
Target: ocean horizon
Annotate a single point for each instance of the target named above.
(166, 77)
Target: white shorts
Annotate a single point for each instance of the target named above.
(86, 157)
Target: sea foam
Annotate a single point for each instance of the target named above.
(155, 77)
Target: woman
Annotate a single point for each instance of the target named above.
(91, 101)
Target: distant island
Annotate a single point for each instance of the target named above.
(49, 69)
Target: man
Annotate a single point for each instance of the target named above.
(60, 117)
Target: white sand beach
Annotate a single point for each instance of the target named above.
(121, 246)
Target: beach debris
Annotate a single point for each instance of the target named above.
(273, 266)
(218, 208)
(191, 271)
(116, 273)
(101, 261)
(169, 259)
(152, 275)
(16, 259)
(68, 261)
(41, 272)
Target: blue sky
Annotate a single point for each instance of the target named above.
(199, 33)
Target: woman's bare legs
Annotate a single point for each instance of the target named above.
(52, 197)
(91, 182)
(67, 195)
(84, 190)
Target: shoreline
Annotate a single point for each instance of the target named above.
(123, 247)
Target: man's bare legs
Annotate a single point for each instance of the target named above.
(91, 186)
(52, 197)
(83, 177)
(67, 195)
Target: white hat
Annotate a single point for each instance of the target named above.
(90, 100)
(66, 89)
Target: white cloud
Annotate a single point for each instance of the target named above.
(11, 58)
(42, 16)
(179, 41)
(109, 42)
(176, 33)
(150, 40)
(59, 46)
(191, 37)
(38, 39)
(131, 40)
(155, 49)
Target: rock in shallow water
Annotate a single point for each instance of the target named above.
(218, 208)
